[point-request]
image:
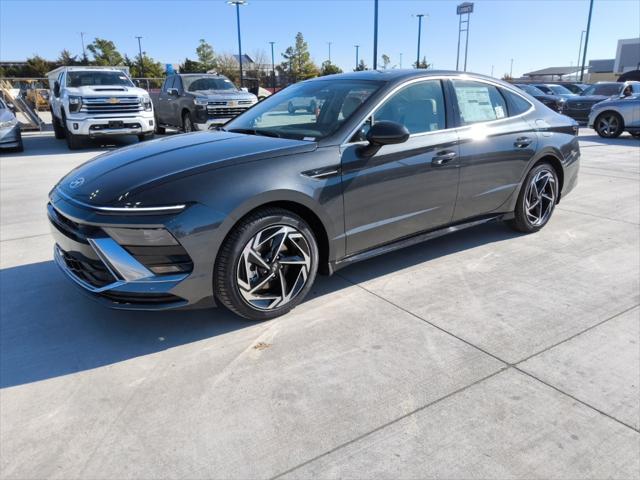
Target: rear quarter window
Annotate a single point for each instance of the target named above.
(517, 104)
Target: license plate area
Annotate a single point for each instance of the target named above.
(116, 124)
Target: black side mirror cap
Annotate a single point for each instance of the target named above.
(384, 133)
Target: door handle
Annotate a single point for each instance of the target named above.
(442, 158)
(522, 142)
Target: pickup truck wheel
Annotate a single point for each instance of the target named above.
(58, 130)
(73, 141)
(160, 130)
(187, 123)
(145, 136)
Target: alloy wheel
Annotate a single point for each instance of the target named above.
(540, 197)
(274, 267)
(608, 125)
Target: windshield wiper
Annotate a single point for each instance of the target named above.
(254, 131)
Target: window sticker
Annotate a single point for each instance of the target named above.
(475, 104)
(499, 111)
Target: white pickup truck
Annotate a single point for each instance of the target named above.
(90, 102)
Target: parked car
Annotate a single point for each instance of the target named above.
(554, 102)
(579, 107)
(576, 88)
(199, 101)
(95, 102)
(10, 133)
(248, 215)
(554, 89)
(613, 116)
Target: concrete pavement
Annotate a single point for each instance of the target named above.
(484, 354)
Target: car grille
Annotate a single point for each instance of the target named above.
(222, 109)
(108, 105)
(92, 272)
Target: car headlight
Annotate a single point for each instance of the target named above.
(9, 123)
(75, 103)
(146, 103)
(201, 101)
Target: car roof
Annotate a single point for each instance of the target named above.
(397, 75)
(200, 75)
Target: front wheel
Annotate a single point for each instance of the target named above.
(609, 125)
(267, 264)
(537, 199)
(58, 129)
(187, 123)
(143, 137)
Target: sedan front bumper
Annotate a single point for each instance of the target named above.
(10, 137)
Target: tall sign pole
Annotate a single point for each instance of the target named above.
(465, 8)
(375, 34)
(586, 41)
(420, 15)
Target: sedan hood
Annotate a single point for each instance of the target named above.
(110, 179)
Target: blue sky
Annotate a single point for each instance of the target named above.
(535, 33)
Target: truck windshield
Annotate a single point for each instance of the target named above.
(197, 84)
(89, 77)
(305, 111)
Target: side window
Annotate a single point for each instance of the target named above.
(479, 102)
(419, 107)
(517, 104)
(168, 83)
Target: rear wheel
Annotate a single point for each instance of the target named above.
(609, 125)
(267, 264)
(143, 137)
(187, 123)
(537, 199)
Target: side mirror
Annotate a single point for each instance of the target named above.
(173, 91)
(56, 88)
(384, 133)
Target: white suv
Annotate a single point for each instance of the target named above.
(95, 102)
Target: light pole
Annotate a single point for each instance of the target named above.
(84, 52)
(357, 59)
(329, 43)
(580, 50)
(273, 69)
(237, 3)
(511, 69)
(375, 34)
(492, 70)
(465, 8)
(419, 15)
(586, 41)
(400, 59)
(140, 53)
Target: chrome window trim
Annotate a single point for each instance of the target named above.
(463, 77)
(132, 210)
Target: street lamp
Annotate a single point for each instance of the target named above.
(511, 69)
(580, 50)
(419, 15)
(140, 53)
(465, 8)
(586, 41)
(237, 3)
(84, 53)
(329, 43)
(357, 59)
(273, 69)
(375, 34)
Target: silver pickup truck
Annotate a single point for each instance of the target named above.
(198, 101)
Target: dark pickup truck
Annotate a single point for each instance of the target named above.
(198, 102)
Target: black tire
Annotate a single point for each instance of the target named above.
(58, 129)
(636, 134)
(522, 221)
(160, 130)
(143, 137)
(73, 141)
(187, 123)
(609, 125)
(225, 279)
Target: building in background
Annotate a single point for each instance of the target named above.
(627, 56)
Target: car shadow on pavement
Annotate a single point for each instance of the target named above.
(623, 140)
(49, 329)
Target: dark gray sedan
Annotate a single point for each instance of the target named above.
(10, 135)
(248, 215)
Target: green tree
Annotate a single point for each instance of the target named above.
(37, 67)
(206, 55)
(152, 69)
(298, 61)
(361, 66)
(329, 68)
(506, 77)
(422, 63)
(385, 61)
(65, 58)
(105, 53)
(192, 66)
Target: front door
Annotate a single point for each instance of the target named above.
(162, 108)
(407, 188)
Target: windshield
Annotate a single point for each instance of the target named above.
(530, 89)
(89, 77)
(560, 90)
(197, 84)
(305, 111)
(605, 89)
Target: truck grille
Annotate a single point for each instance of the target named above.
(224, 112)
(111, 105)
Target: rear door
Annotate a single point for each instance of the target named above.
(496, 145)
